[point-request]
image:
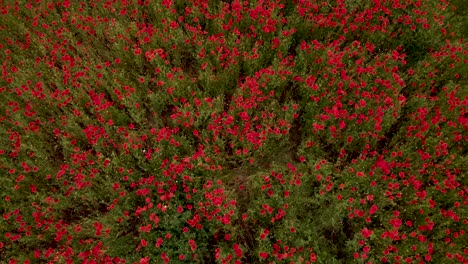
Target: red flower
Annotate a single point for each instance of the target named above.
(144, 243)
(366, 233)
(313, 257)
(144, 260)
(373, 209)
(226, 219)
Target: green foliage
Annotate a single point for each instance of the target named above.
(233, 132)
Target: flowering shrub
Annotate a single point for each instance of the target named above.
(233, 132)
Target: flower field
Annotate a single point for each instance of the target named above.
(206, 131)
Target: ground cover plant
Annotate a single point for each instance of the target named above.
(206, 131)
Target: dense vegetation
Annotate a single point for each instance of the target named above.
(234, 132)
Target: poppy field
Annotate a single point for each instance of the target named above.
(206, 131)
